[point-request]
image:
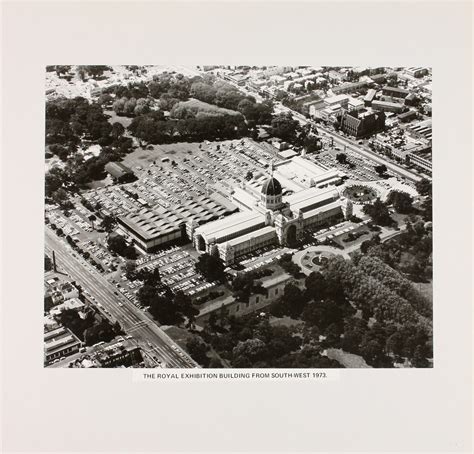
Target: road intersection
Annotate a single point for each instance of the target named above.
(133, 321)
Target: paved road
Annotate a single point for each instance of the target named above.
(353, 146)
(280, 108)
(133, 321)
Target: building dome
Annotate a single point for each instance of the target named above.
(271, 187)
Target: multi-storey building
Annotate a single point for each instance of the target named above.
(277, 212)
(363, 124)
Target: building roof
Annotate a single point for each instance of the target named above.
(396, 89)
(298, 173)
(270, 281)
(117, 169)
(287, 154)
(311, 198)
(231, 225)
(322, 209)
(410, 113)
(59, 339)
(151, 224)
(70, 304)
(370, 95)
(387, 104)
(337, 99)
(356, 102)
(272, 187)
(268, 230)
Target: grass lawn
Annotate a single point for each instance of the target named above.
(348, 360)
(425, 288)
(360, 193)
(284, 321)
(199, 106)
(179, 335)
(143, 156)
(114, 118)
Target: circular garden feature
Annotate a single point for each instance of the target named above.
(360, 193)
(312, 258)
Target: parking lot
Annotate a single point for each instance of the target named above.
(357, 167)
(177, 271)
(262, 257)
(193, 166)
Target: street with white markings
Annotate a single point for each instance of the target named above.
(133, 321)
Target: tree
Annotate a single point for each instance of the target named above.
(323, 313)
(109, 223)
(372, 351)
(402, 202)
(285, 127)
(61, 151)
(105, 99)
(290, 267)
(246, 353)
(204, 92)
(48, 264)
(130, 269)
(116, 243)
(211, 267)
(419, 359)
(197, 348)
(381, 169)
(316, 286)
(245, 285)
(424, 187)
(341, 158)
(119, 105)
(427, 209)
(117, 130)
(61, 197)
(91, 70)
(129, 106)
(293, 299)
(379, 213)
(183, 305)
(130, 252)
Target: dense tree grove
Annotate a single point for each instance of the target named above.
(424, 187)
(75, 123)
(252, 342)
(244, 285)
(131, 106)
(94, 71)
(164, 306)
(211, 267)
(118, 245)
(169, 89)
(401, 201)
(285, 127)
(155, 128)
(364, 306)
(379, 213)
(409, 253)
(289, 266)
(92, 329)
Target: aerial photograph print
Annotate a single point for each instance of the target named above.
(238, 217)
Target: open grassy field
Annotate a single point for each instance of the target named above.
(114, 118)
(426, 289)
(203, 107)
(348, 360)
(145, 156)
